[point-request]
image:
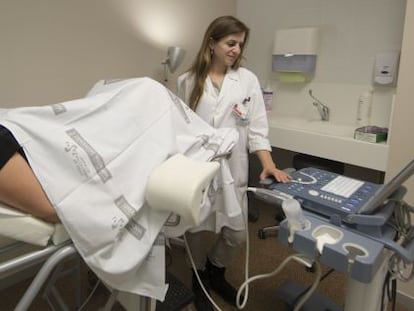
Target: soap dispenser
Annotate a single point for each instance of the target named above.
(386, 67)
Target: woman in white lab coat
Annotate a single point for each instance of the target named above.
(226, 95)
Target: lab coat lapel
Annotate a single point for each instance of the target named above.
(228, 83)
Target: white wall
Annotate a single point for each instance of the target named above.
(53, 51)
(352, 33)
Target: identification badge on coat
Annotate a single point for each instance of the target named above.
(242, 110)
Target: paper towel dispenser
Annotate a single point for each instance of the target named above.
(294, 53)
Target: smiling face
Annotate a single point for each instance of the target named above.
(228, 49)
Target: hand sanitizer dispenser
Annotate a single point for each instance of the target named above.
(386, 65)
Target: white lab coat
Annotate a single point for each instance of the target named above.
(93, 157)
(217, 110)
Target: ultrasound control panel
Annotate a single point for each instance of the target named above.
(327, 193)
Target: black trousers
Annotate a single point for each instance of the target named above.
(8, 146)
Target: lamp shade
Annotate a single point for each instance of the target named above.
(175, 56)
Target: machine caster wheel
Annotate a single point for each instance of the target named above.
(262, 234)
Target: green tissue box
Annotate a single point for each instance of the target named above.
(371, 134)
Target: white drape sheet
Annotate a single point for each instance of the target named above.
(93, 157)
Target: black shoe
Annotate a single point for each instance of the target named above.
(220, 285)
(201, 301)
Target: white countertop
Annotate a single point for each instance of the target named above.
(326, 140)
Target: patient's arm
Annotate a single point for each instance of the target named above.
(20, 189)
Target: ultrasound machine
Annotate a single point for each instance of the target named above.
(358, 228)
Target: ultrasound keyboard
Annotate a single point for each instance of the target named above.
(327, 193)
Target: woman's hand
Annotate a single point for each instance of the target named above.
(269, 168)
(277, 174)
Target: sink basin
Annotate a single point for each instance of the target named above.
(326, 140)
(317, 126)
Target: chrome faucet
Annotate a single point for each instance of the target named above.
(322, 109)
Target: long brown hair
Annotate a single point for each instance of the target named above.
(218, 29)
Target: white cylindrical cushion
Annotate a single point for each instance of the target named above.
(178, 185)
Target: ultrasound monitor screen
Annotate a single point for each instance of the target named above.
(386, 190)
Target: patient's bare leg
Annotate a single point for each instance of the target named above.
(20, 189)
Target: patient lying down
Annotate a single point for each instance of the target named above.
(85, 163)
(19, 187)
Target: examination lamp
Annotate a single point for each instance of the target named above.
(175, 56)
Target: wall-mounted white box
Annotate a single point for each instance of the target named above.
(386, 67)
